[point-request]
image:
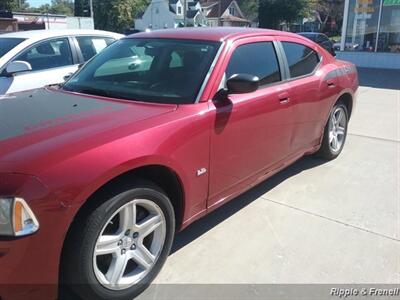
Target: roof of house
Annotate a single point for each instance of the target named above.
(212, 34)
(235, 19)
(192, 13)
(216, 12)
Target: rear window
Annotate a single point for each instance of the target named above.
(302, 60)
(7, 44)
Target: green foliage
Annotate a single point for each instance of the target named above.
(273, 12)
(117, 15)
(13, 5)
(62, 7)
(249, 8)
(82, 8)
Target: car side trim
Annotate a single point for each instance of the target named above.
(210, 71)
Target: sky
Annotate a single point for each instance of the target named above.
(36, 3)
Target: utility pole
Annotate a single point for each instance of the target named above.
(91, 8)
(184, 13)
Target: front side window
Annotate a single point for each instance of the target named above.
(90, 45)
(7, 44)
(50, 54)
(258, 59)
(147, 70)
(302, 60)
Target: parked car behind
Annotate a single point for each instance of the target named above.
(321, 39)
(153, 133)
(33, 59)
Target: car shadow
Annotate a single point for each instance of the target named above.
(206, 223)
(379, 78)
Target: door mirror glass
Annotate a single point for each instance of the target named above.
(18, 66)
(242, 84)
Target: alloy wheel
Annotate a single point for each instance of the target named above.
(337, 129)
(129, 244)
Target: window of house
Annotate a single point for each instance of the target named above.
(258, 59)
(301, 59)
(49, 54)
(179, 10)
(232, 10)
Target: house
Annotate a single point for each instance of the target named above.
(162, 14)
(224, 13)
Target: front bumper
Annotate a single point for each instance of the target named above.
(29, 266)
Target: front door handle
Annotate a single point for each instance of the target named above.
(284, 98)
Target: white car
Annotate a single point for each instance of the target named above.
(33, 59)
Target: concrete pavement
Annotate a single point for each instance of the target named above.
(316, 222)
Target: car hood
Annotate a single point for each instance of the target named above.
(35, 123)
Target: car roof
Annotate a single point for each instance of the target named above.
(210, 34)
(49, 33)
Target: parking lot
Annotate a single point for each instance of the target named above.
(316, 222)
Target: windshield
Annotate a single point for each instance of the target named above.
(7, 44)
(148, 70)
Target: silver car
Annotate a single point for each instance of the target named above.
(33, 59)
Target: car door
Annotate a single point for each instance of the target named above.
(251, 131)
(308, 95)
(51, 61)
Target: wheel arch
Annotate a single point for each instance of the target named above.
(162, 176)
(347, 99)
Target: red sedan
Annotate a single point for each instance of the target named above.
(155, 132)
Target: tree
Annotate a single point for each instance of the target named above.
(82, 8)
(327, 9)
(117, 15)
(249, 8)
(13, 5)
(62, 7)
(273, 12)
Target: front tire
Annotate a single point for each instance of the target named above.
(335, 132)
(117, 250)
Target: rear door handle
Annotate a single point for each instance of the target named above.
(284, 98)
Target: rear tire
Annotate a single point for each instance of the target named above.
(335, 132)
(117, 249)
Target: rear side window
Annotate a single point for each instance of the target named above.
(258, 59)
(301, 59)
(92, 45)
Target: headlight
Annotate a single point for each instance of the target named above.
(16, 218)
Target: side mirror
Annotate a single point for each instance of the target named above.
(18, 66)
(242, 84)
(68, 76)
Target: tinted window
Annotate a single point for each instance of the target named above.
(302, 60)
(7, 44)
(257, 59)
(149, 70)
(50, 54)
(90, 45)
